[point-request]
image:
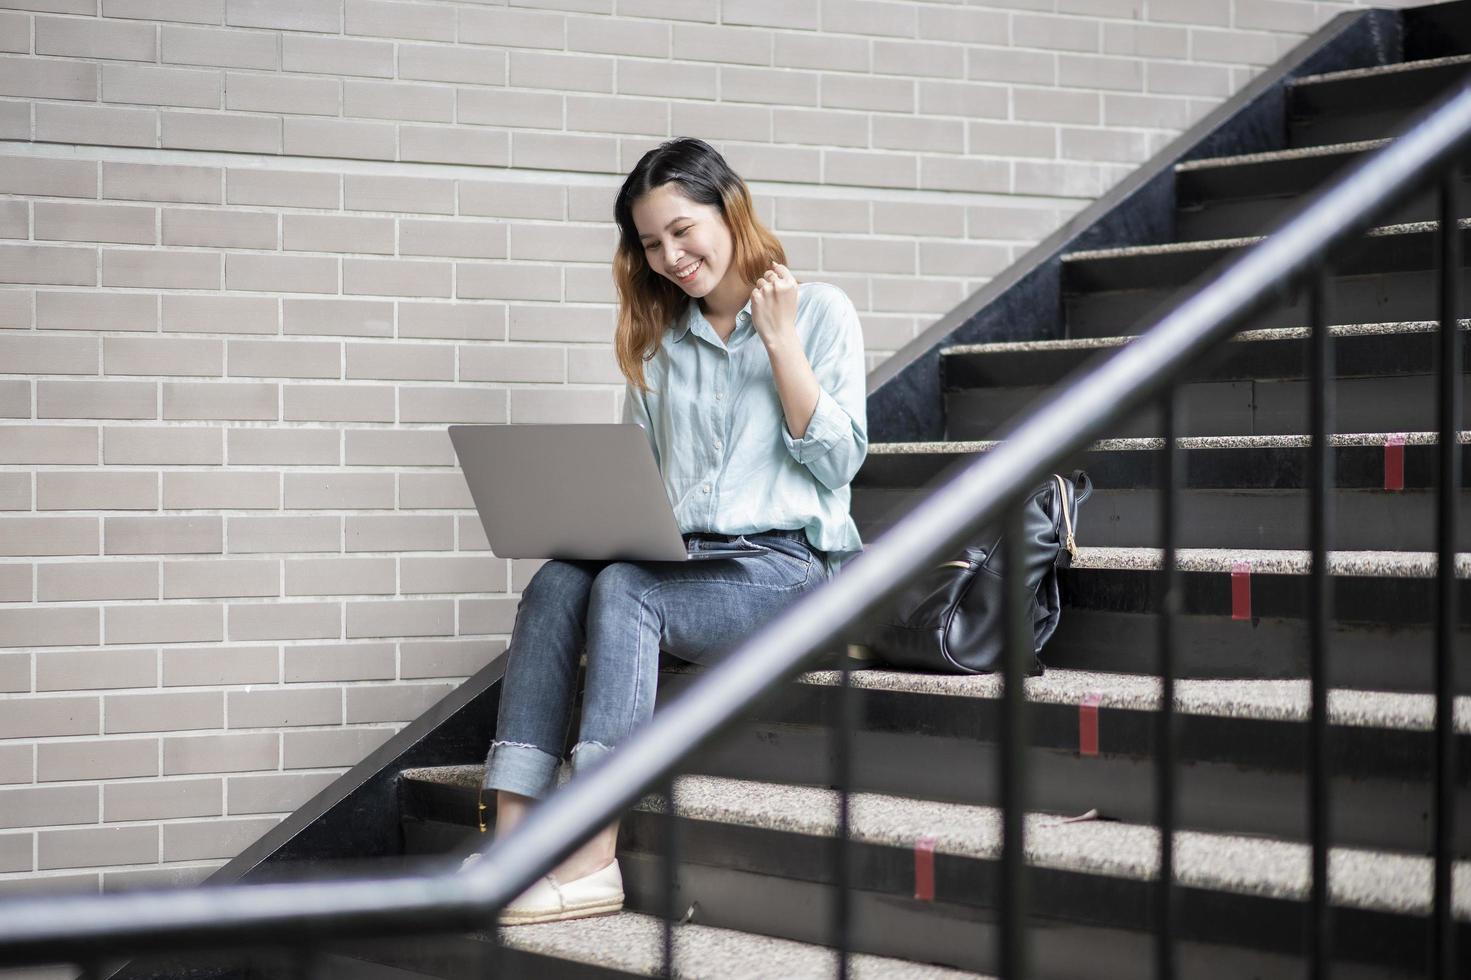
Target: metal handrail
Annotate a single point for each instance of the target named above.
(56, 929)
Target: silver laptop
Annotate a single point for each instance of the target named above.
(582, 491)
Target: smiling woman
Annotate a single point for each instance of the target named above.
(756, 419)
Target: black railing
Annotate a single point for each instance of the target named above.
(1146, 371)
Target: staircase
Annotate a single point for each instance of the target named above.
(755, 815)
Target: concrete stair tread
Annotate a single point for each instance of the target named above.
(1394, 69)
(1237, 863)
(1274, 156)
(1378, 564)
(1244, 337)
(633, 942)
(1216, 244)
(1141, 444)
(1248, 698)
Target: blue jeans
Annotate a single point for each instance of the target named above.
(624, 613)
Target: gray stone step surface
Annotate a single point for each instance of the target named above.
(1375, 71)
(1379, 564)
(1143, 444)
(1267, 700)
(633, 943)
(1244, 337)
(1176, 248)
(1241, 864)
(1274, 156)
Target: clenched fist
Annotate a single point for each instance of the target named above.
(774, 307)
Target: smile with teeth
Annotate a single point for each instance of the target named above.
(689, 273)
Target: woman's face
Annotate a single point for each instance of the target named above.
(680, 235)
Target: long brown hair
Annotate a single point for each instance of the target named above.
(648, 302)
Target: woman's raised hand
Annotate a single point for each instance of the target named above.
(774, 307)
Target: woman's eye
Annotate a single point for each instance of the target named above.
(680, 232)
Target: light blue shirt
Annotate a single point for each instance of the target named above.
(719, 434)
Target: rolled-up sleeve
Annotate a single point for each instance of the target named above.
(836, 439)
(634, 410)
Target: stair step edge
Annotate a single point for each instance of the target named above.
(1275, 156)
(1146, 443)
(1399, 66)
(633, 942)
(1210, 244)
(1380, 329)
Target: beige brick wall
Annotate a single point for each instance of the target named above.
(258, 253)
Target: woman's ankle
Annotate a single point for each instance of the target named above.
(591, 858)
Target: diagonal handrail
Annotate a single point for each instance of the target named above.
(66, 928)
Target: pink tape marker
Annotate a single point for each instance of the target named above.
(1241, 590)
(1394, 462)
(1088, 724)
(924, 869)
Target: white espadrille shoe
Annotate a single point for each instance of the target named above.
(550, 900)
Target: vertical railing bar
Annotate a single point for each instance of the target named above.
(842, 762)
(1319, 481)
(669, 878)
(1443, 953)
(1164, 756)
(490, 947)
(1018, 655)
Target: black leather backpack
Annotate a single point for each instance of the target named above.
(950, 618)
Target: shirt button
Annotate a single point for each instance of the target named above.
(707, 488)
(717, 443)
(718, 396)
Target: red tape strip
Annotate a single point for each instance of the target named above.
(1088, 724)
(1241, 590)
(1394, 462)
(924, 869)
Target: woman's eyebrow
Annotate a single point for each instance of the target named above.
(675, 220)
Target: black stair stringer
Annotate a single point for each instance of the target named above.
(357, 815)
(905, 403)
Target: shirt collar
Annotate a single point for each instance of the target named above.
(692, 310)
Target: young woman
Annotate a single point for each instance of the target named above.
(751, 390)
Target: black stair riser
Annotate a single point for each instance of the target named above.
(1383, 814)
(1243, 468)
(1369, 658)
(1366, 106)
(1216, 468)
(1260, 213)
(1404, 89)
(1356, 752)
(1277, 181)
(1359, 298)
(783, 884)
(1368, 600)
(1361, 520)
(1354, 356)
(926, 933)
(1435, 31)
(1220, 184)
(1402, 403)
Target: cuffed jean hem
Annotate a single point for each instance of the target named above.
(518, 768)
(587, 754)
